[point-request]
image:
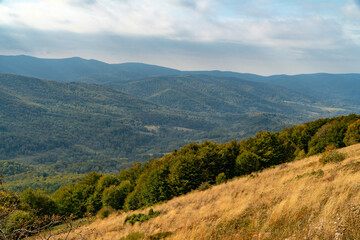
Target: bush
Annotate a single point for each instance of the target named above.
(221, 178)
(160, 235)
(153, 213)
(106, 181)
(247, 163)
(332, 155)
(105, 212)
(352, 135)
(134, 236)
(114, 196)
(132, 201)
(141, 217)
(137, 218)
(19, 220)
(204, 186)
(39, 201)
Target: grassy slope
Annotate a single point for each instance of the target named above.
(298, 200)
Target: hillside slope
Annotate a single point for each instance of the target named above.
(79, 127)
(211, 94)
(40, 115)
(338, 89)
(298, 200)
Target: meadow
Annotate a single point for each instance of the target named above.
(304, 199)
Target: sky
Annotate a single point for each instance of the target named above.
(252, 36)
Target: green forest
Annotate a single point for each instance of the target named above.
(52, 133)
(193, 167)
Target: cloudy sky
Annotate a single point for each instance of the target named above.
(257, 36)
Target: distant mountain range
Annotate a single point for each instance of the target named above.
(78, 69)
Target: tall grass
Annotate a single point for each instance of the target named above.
(304, 199)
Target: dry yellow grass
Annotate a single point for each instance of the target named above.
(298, 200)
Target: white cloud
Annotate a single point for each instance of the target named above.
(351, 21)
(246, 31)
(199, 20)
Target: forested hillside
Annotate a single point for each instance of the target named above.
(194, 166)
(219, 95)
(337, 89)
(77, 128)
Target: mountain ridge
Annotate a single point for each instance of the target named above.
(336, 89)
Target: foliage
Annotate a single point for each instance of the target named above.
(114, 196)
(270, 148)
(134, 236)
(318, 173)
(141, 217)
(331, 133)
(220, 178)
(105, 212)
(158, 236)
(331, 155)
(73, 199)
(352, 134)
(106, 181)
(137, 218)
(40, 202)
(204, 186)
(19, 219)
(247, 162)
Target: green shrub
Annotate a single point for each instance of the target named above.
(39, 201)
(204, 186)
(352, 135)
(132, 201)
(247, 162)
(220, 178)
(19, 220)
(114, 196)
(318, 173)
(331, 155)
(137, 218)
(106, 181)
(105, 212)
(153, 213)
(141, 217)
(134, 236)
(300, 154)
(159, 236)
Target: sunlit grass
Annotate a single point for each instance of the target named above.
(299, 200)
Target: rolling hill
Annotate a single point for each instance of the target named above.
(210, 94)
(58, 128)
(40, 116)
(79, 127)
(339, 89)
(299, 200)
(336, 90)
